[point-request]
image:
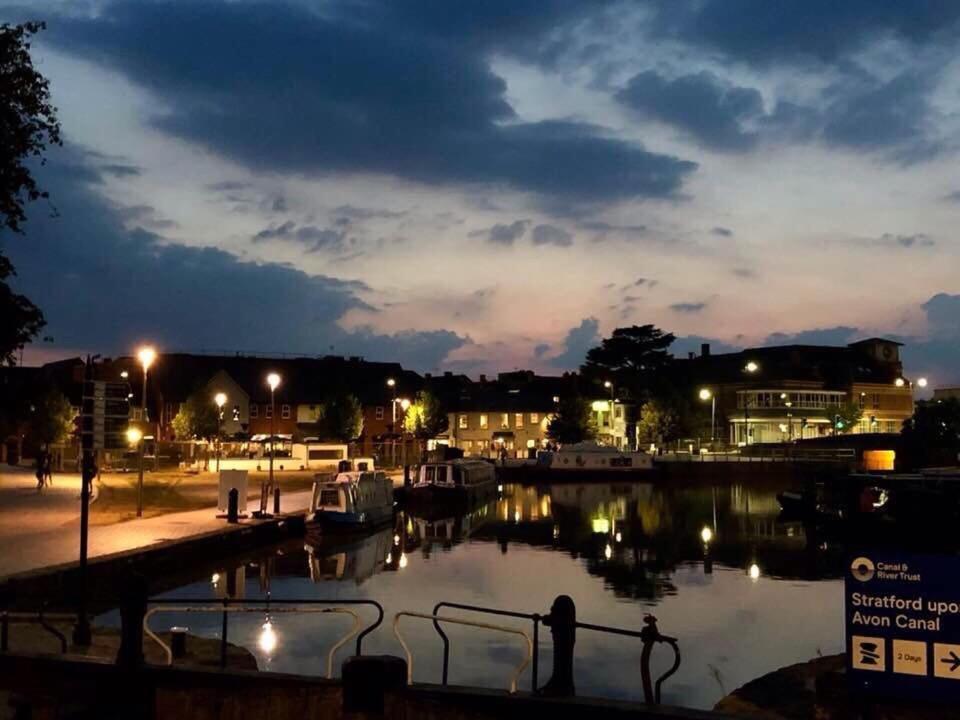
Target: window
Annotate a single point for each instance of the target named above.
(534, 418)
(254, 411)
(468, 445)
(462, 422)
(483, 422)
(379, 412)
(268, 411)
(236, 413)
(518, 419)
(285, 412)
(504, 421)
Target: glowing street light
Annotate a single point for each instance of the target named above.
(135, 438)
(608, 552)
(751, 367)
(134, 435)
(706, 394)
(403, 560)
(267, 641)
(404, 404)
(922, 382)
(899, 382)
(273, 381)
(754, 572)
(146, 355)
(220, 399)
(706, 535)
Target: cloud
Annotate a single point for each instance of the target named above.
(110, 288)
(502, 233)
(688, 307)
(540, 350)
(313, 238)
(280, 88)
(551, 235)
(896, 240)
(721, 232)
(693, 343)
(838, 335)
(745, 273)
(707, 108)
(351, 212)
(578, 341)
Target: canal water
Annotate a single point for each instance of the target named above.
(743, 592)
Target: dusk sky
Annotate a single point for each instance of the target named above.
(485, 186)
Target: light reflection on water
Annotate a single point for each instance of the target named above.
(756, 596)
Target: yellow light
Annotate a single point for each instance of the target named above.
(754, 572)
(600, 405)
(705, 394)
(403, 560)
(268, 638)
(607, 384)
(899, 382)
(706, 534)
(146, 355)
(516, 516)
(608, 552)
(922, 382)
(556, 398)
(124, 374)
(600, 525)
(751, 367)
(396, 539)
(134, 435)
(273, 380)
(215, 578)
(404, 404)
(389, 558)
(618, 537)
(220, 399)
(391, 382)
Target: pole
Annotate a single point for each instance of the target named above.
(272, 438)
(393, 428)
(144, 401)
(140, 478)
(746, 419)
(713, 418)
(219, 434)
(613, 402)
(81, 633)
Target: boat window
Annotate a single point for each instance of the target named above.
(441, 475)
(330, 497)
(458, 476)
(430, 473)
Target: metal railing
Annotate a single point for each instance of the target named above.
(469, 623)
(807, 455)
(268, 607)
(41, 617)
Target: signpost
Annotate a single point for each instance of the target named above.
(104, 417)
(903, 625)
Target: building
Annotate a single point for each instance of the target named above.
(947, 393)
(791, 392)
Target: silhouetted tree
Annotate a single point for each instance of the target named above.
(197, 418)
(633, 358)
(51, 418)
(28, 124)
(573, 422)
(932, 436)
(343, 417)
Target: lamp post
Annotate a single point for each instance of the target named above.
(706, 394)
(750, 368)
(273, 380)
(135, 438)
(392, 384)
(220, 399)
(146, 355)
(608, 384)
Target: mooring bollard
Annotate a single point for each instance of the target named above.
(367, 678)
(406, 476)
(276, 501)
(133, 608)
(562, 622)
(233, 506)
(178, 642)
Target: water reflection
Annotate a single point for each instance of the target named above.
(715, 564)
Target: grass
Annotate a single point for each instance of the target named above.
(167, 492)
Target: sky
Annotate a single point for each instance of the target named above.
(488, 186)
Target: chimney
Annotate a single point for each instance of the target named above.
(448, 373)
(691, 355)
(483, 378)
(705, 350)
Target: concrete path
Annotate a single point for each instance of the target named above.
(39, 530)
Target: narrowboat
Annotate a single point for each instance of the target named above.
(588, 457)
(353, 500)
(460, 480)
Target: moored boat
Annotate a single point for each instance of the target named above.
(459, 481)
(589, 457)
(352, 500)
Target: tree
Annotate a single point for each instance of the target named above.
(197, 418)
(932, 436)
(573, 422)
(844, 416)
(658, 422)
(51, 418)
(343, 417)
(426, 417)
(28, 124)
(633, 359)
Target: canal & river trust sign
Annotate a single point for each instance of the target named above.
(903, 625)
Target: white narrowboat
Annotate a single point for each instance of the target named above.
(352, 500)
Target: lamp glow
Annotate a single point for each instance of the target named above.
(922, 382)
(134, 435)
(618, 537)
(706, 534)
(608, 552)
(705, 394)
(396, 539)
(220, 399)
(751, 367)
(403, 560)
(268, 638)
(273, 380)
(404, 404)
(146, 355)
(124, 374)
(899, 382)
(754, 572)
(607, 384)
(391, 382)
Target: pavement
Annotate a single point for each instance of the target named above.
(42, 529)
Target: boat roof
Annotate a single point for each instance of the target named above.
(588, 447)
(461, 462)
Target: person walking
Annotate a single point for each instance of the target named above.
(40, 473)
(48, 469)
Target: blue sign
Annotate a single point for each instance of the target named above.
(903, 625)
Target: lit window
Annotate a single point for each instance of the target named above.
(518, 419)
(483, 422)
(236, 413)
(462, 422)
(254, 411)
(504, 421)
(379, 412)
(534, 418)
(285, 412)
(268, 411)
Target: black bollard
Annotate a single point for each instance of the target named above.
(367, 678)
(133, 608)
(233, 506)
(178, 642)
(406, 476)
(562, 622)
(276, 501)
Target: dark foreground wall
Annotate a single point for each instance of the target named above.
(57, 687)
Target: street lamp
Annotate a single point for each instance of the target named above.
(392, 384)
(220, 399)
(751, 367)
(146, 355)
(899, 382)
(608, 384)
(705, 395)
(134, 437)
(273, 380)
(922, 382)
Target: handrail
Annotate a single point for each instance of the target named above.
(223, 603)
(468, 623)
(264, 608)
(41, 617)
(536, 618)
